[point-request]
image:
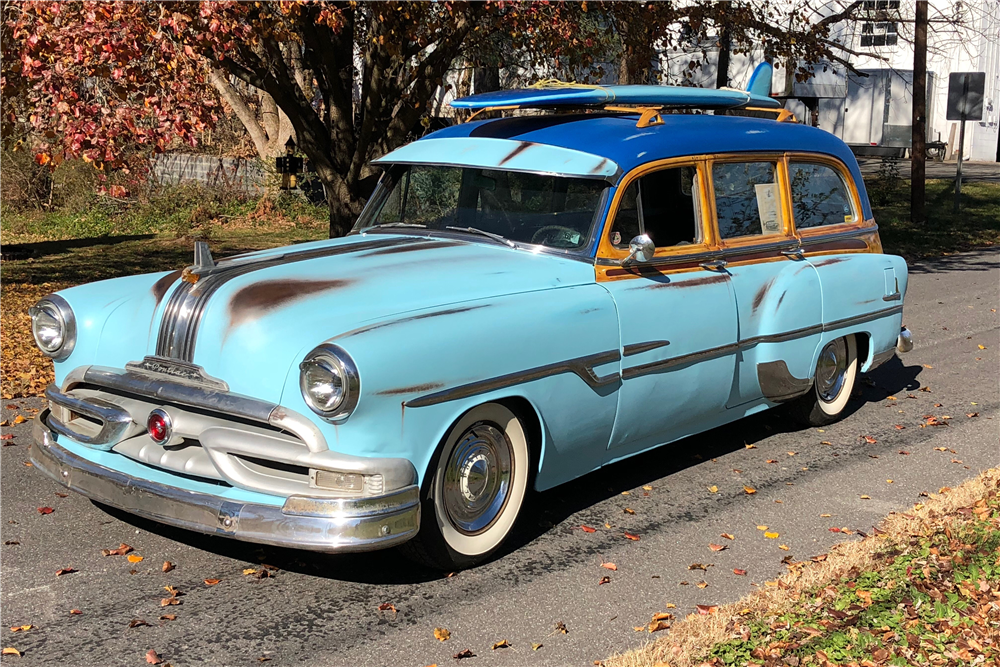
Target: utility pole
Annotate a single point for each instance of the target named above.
(918, 143)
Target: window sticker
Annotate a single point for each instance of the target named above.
(767, 205)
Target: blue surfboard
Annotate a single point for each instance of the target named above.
(577, 95)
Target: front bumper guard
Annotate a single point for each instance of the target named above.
(316, 524)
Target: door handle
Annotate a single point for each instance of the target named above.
(714, 265)
(794, 252)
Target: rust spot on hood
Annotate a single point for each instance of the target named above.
(161, 286)
(429, 386)
(828, 262)
(521, 147)
(258, 299)
(600, 166)
(707, 280)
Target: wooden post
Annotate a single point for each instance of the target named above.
(918, 140)
(958, 173)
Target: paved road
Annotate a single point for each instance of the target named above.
(321, 610)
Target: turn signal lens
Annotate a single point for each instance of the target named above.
(158, 426)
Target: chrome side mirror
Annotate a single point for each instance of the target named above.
(640, 249)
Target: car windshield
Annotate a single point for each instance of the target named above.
(553, 211)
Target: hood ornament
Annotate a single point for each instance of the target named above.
(202, 262)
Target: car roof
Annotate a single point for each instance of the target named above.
(615, 136)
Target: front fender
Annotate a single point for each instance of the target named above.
(421, 372)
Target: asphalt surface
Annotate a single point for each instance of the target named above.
(983, 172)
(323, 610)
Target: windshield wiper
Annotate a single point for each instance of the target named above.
(490, 235)
(399, 224)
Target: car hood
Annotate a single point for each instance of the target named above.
(266, 310)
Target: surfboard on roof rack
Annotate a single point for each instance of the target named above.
(551, 96)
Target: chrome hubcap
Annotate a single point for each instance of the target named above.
(477, 478)
(831, 370)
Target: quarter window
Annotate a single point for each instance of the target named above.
(819, 196)
(662, 204)
(747, 199)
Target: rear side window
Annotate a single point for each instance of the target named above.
(819, 195)
(747, 199)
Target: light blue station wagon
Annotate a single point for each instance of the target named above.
(523, 300)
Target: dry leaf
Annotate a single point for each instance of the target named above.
(702, 584)
(441, 634)
(10, 650)
(771, 461)
(560, 627)
(75, 611)
(166, 602)
(134, 558)
(713, 489)
(503, 643)
(167, 566)
(657, 626)
(249, 571)
(65, 570)
(869, 439)
(120, 551)
(535, 647)
(771, 536)
(387, 606)
(604, 580)
(670, 605)
(698, 566)
(981, 347)
(632, 536)
(647, 488)
(21, 628)
(783, 547)
(168, 617)
(137, 622)
(629, 510)
(662, 616)
(45, 510)
(971, 414)
(212, 582)
(740, 572)
(717, 547)
(750, 446)
(749, 489)
(866, 497)
(706, 609)
(20, 418)
(610, 566)
(727, 536)
(761, 527)
(588, 529)
(153, 658)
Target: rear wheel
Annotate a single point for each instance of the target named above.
(833, 383)
(478, 485)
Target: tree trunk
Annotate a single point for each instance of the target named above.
(918, 146)
(722, 76)
(486, 79)
(344, 209)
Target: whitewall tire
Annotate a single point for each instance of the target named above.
(475, 490)
(833, 383)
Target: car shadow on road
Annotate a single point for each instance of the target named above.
(544, 510)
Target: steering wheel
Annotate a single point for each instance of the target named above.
(556, 236)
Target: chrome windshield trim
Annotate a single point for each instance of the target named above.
(581, 366)
(184, 310)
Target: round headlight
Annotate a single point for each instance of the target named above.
(329, 382)
(54, 326)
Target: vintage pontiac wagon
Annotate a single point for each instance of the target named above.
(524, 300)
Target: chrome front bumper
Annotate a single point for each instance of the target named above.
(317, 524)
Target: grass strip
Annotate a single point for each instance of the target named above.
(923, 590)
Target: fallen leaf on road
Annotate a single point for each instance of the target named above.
(825, 442)
(706, 609)
(713, 489)
(588, 529)
(535, 647)
(632, 536)
(761, 527)
(120, 551)
(670, 605)
(21, 628)
(7, 436)
(167, 566)
(138, 622)
(657, 626)
(727, 536)
(212, 582)
(45, 510)
(698, 566)
(647, 488)
(927, 389)
(739, 572)
(940, 449)
(10, 650)
(626, 493)
(904, 452)
(20, 418)
(866, 497)
(792, 453)
(610, 566)
(869, 439)
(771, 461)
(717, 547)
(702, 584)
(818, 558)
(750, 446)
(134, 558)
(153, 658)
(441, 634)
(65, 570)
(749, 489)
(784, 547)
(629, 510)
(168, 617)
(75, 611)
(899, 427)
(662, 616)
(971, 414)
(955, 461)
(166, 602)
(771, 536)
(981, 347)
(387, 606)
(834, 530)
(560, 627)
(604, 580)
(503, 643)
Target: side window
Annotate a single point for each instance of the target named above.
(747, 199)
(663, 204)
(819, 196)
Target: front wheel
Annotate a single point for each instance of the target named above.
(478, 484)
(833, 383)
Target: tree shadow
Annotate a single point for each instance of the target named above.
(15, 251)
(977, 260)
(542, 511)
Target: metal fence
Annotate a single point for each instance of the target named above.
(174, 168)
